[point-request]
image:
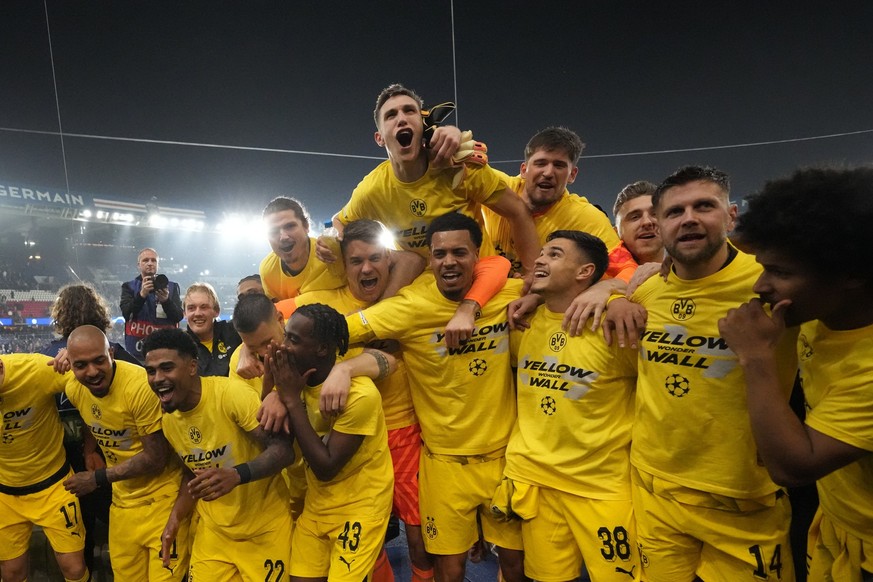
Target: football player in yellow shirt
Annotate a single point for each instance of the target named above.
(348, 466)
(704, 504)
(409, 190)
(463, 397)
(118, 406)
(636, 223)
(231, 467)
(32, 467)
(366, 263)
(292, 267)
(569, 455)
(550, 164)
(811, 234)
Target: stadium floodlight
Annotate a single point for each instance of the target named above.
(157, 221)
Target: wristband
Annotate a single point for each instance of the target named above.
(101, 478)
(244, 472)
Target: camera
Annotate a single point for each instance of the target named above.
(160, 282)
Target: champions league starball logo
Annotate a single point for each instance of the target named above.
(677, 385)
(478, 367)
(548, 405)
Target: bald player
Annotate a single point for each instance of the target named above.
(119, 408)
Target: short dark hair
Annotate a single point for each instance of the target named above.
(281, 203)
(170, 338)
(251, 311)
(455, 221)
(328, 326)
(556, 138)
(818, 216)
(393, 91)
(255, 277)
(688, 174)
(364, 229)
(631, 191)
(591, 246)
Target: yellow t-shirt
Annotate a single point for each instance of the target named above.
(118, 421)
(568, 213)
(295, 474)
(254, 383)
(464, 398)
(314, 276)
(396, 399)
(32, 439)
(575, 410)
(408, 208)
(365, 485)
(836, 368)
(213, 435)
(692, 424)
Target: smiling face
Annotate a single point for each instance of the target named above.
(638, 228)
(560, 268)
(92, 363)
(546, 175)
(172, 379)
(201, 313)
(401, 129)
(289, 238)
(453, 255)
(694, 220)
(366, 269)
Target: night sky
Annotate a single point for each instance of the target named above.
(627, 76)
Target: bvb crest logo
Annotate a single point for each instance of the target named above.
(557, 341)
(683, 309)
(195, 435)
(430, 529)
(222, 349)
(418, 207)
(95, 411)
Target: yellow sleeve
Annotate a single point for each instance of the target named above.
(362, 409)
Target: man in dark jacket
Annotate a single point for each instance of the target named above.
(148, 302)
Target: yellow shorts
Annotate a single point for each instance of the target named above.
(218, 558)
(710, 539)
(835, 554)
(452, 493)
(344, 551)
(604, 532)
(135, 543)
(54, 509)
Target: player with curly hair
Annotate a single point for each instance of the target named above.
(828, 290)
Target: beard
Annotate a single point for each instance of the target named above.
(697, 256)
